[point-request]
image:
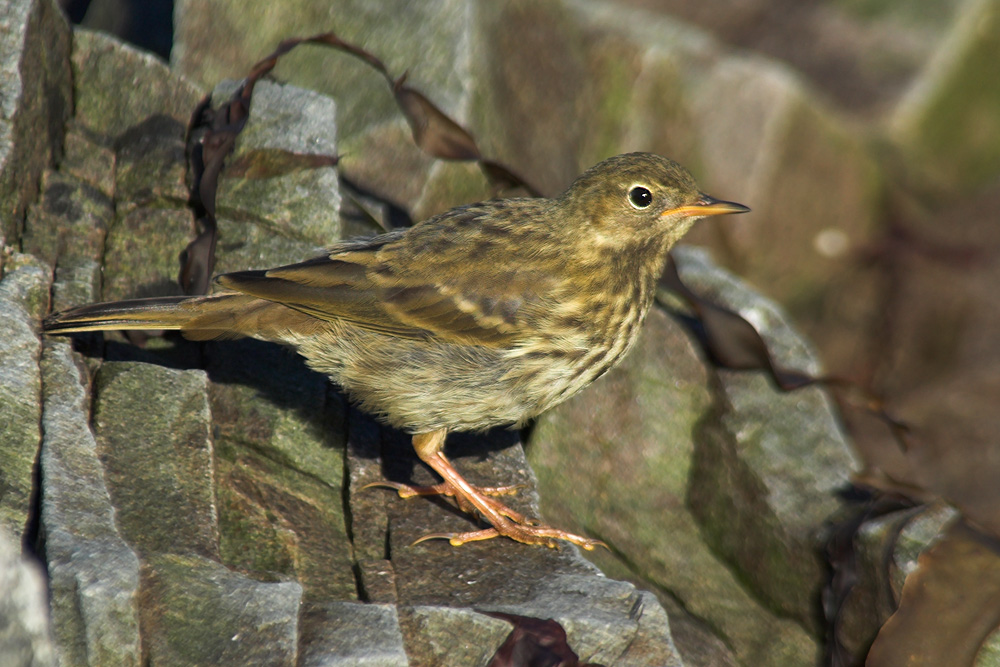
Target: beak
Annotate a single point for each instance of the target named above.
(708, 206)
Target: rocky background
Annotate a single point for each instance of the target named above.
(166, 502)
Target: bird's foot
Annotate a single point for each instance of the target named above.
(505, 521)
(526, 534)
(445, 489)
(442, 489)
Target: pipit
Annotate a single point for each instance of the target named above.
(482, 316)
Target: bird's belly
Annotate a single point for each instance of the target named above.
(422, 385)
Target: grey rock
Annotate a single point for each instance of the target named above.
(652, 642)
(810, 180)
(123, 181)
(369, 507)
(67, 226)
(197, 611)
(279, 467)
(153, 430)
(94, 574)
(150, 162)
(210, 48)
(601, 617)
(25, 285)
(946, 126)
(159, 235)
(69, 222)
(343, 634)
(768, 465)
(35, 102)
(25, 639)
(117, 87)
(449, 636)
(892, 542)
(23, 297)
(86, 159)
(279, 211)
(75, 285)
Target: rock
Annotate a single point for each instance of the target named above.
(158, 235)
(25, 639)
(117, 87)
(94, 574)
(69, 223)
(158, 456)
(198, 611)
(133, 113)
(440, 635)
(150, 163)
(23, 299)
(892, 542)
(768, 465)
(88, 161)
(35, 102)
(67, 226)
(946, 126)
(280, 468)
(654, 633)
(602, 618)
(224, 41)
(343, 634)
(810, 181)
(285, 213)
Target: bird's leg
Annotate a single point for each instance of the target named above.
(505, 521)
(448, 489)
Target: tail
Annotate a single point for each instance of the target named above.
(226, 315)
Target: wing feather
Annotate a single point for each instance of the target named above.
(416, 283)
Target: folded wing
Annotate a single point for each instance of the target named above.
(414, 289)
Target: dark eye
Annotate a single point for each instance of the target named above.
(640, 197)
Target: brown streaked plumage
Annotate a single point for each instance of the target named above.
(485, 315)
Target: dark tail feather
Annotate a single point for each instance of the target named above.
(156, 313)
(167, 312)
(226, 315)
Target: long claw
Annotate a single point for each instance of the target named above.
(446, 489)
(442, 489)
(404, 490)
(537, 535)
(458, 539)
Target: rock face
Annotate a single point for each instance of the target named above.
(947, 123)
(24, 623)
(35, 102)
(207, 502)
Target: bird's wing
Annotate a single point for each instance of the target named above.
(441, 282)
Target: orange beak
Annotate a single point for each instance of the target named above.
(708, 206)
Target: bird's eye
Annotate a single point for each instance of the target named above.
(640, 197)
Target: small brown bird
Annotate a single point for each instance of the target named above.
(486, 315)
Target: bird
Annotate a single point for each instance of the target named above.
(482, 316)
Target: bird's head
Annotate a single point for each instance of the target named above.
(639, 196)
